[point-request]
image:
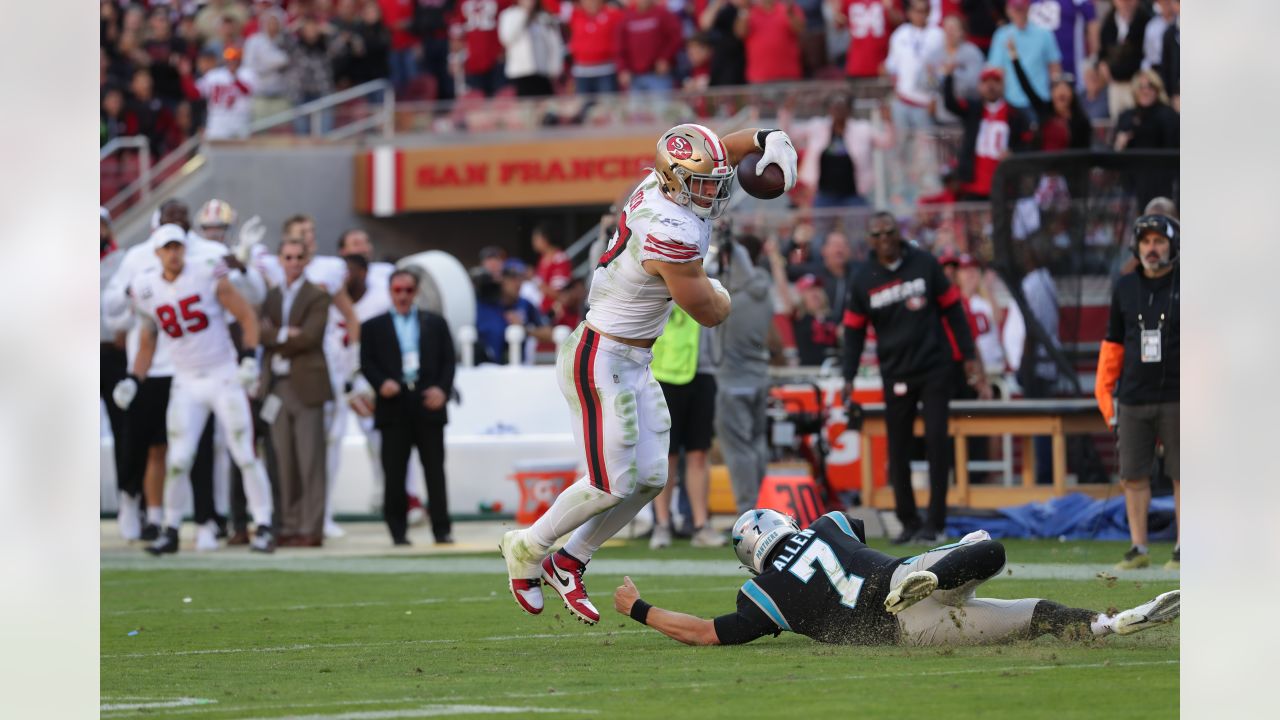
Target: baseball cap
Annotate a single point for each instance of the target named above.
(491, 251)
(968, 261)
(231, 53)
(514, 267)
(991, 73)
(948, 258)
(166, 234)
(808, 281)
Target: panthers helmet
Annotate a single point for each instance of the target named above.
(1162, 224)
(694, 170)
(757, 532)
(215, 214)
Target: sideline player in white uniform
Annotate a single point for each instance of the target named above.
(148, 414)
(228, 92)
(341, 343)
(185, 300)
(621, 420)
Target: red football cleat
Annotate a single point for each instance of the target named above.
(564, 574)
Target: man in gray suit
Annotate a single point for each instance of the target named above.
(295, 387)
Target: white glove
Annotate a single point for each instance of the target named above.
(975, 536)
(251, 233)
(779, 151)
(247, 374)
(124, 393)
(715, 285)
(351, 361)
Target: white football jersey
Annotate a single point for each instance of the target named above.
(988, 340)
(377, 294)
(625, 300)
(228, 100)
(187, 315)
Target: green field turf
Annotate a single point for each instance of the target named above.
(368, 640)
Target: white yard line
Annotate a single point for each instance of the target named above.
(495, 566)
(155, 703)
(439, 711)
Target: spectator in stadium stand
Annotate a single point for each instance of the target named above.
(966, 59)
(370, 46)
(593, 38)
(500, 306)
(951, 263)
(982, 18)
(554, 269)
(405, 49)
(1074, 24)
(869, 23)
(909, 47)
(431, 25)
(1120, 51)
(1094, 97)
(1037, 50)
(1153, 35)
(182, 127)
(407, 356)
(145, 114)
(567, 309)
(294, 387)
(228, 35)
(834, 269)
(742, 370)
(813, 38)
(649, 37)
(1171, 58)
(816, 335)
(473, 36)
(988, 116)
(163, 49)
(728, 57)
(701, 53)
(111, 120)
(983, 311)
(266, 54)
(1062, 122)
(1150, 124)
(211, 18)
(771, 31)
(492, 258)
(535, 51)
(903, 294)
(1141, 351)
(312, 51)
(837, 162)
(682, 366)
(228, 92)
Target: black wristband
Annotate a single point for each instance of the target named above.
(134, 378)
(248, 353)
(761, 135)
(640, 611)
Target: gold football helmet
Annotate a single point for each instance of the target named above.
(215, 218)
(694, 169)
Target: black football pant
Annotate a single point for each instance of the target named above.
(111, 370)
(398, 441)
(933, 394)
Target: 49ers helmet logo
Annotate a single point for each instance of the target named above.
(679, 148)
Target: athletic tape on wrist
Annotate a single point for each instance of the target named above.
(761, 135)
(640, 611)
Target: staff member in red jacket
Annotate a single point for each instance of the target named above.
(903, 293)
(1141, 352)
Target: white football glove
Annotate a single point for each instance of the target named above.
(124, 393)
(251, 233)
(779, 151)
(975, 536)
(715, 284)
(247, 374)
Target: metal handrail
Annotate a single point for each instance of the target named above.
(385, 115)
(130, 142)
(143, 184)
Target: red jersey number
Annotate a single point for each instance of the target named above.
(623, 235)
(195, 319)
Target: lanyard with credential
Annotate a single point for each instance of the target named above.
(1150, 340)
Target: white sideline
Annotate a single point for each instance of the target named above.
(438, 711)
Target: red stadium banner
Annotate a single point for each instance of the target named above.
(390, 180)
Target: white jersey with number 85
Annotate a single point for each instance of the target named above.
(187, 316)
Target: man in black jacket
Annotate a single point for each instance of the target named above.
(1120, 51)
(407, 356)
(903, 293)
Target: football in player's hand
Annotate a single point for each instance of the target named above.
(767, 185)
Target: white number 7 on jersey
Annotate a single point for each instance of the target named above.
(819, 553)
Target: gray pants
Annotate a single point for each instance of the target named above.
(740, 427)
(956, 617)
(299, 439)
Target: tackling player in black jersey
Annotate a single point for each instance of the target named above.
(825, 583)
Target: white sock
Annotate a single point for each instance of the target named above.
(588, 538)
(1141, 549)
(177, 494)
(576, 505)
(155, 515)
(1101, 625)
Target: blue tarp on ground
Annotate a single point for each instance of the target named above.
(1071, 517)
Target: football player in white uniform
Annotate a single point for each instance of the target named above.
(185, 300)
(621, 421)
